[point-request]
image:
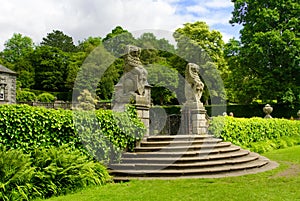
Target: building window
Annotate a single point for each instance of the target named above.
(2, 95)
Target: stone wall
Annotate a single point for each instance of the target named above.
(7, 88)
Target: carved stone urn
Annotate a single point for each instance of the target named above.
(268, 110)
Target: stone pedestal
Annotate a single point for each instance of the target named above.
(141, 102)
(193, 119)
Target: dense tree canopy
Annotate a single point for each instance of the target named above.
(262, 65)
(59, 40)
(17, 48)
(16, 55)
(196, 43)
(50, 68)
(269, 59)
(116, 41)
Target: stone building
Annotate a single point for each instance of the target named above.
(7, 85)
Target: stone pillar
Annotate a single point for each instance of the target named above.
(141, 102)
(193, 119)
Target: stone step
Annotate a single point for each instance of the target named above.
(179, 142)
(161, 138)
(183, 153)
(190, 165)
(171, 148)
(198, 158)
(191, 172)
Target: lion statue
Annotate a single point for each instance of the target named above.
(194, 86)
(135, 77)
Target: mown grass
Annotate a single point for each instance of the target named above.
(282, 183)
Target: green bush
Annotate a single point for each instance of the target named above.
(257, 134)
(61, 170)
(47, 172)
(26, 128)
(25, 96)
(16, 174)
(46, 97)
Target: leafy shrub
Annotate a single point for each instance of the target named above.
(258, 134)
(25, 127)
(25, 96)
(47, 172)
(60, 170)
(16, 174)
(46, 97)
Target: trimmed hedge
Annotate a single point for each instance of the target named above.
(245, 111)
(101, 132)
(257, 134)
(46, 97)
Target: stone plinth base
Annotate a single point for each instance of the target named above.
(193, 119)
(141, 102)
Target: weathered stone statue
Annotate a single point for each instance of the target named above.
(194, 117)
(133, 87)
(135, 75)
(194, 87)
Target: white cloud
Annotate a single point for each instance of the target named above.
(218, 4)
(83, 18)
(199, 9)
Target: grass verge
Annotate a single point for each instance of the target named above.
(279, 184)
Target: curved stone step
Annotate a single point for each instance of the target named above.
(187, 156)
(178, 137)
(180, 142)
(191, 172)
(236, 154)
(187, 153)
(192, 147)
(190, 165)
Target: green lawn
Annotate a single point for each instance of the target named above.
(280, 184)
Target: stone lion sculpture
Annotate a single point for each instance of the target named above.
(135, 76)
(194, 86)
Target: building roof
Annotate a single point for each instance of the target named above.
(6, 70)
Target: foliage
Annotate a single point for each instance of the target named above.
(26, 128)
(197, 44)
(86, 101)
(61, 170)
(17, 47)
(270, 37)
(105, 134)
(256, 133)
(164, 80)
(51, 66)
(93, 70)
(116, 41)
(89, 44)
(109, 79)
(46, 172)
(16, 172)
(25, 96)
(16, 56)
(46, 97)
(59, 40)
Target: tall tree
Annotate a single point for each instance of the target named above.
(59, 40)
(196, 43)
(116, 41)
(16, 54)
(17, 47)
(270, 47)
(89, 44)
(50, 68)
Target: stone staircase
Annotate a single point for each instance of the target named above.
(187, 156)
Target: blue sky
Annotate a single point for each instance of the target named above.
(83, 18)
